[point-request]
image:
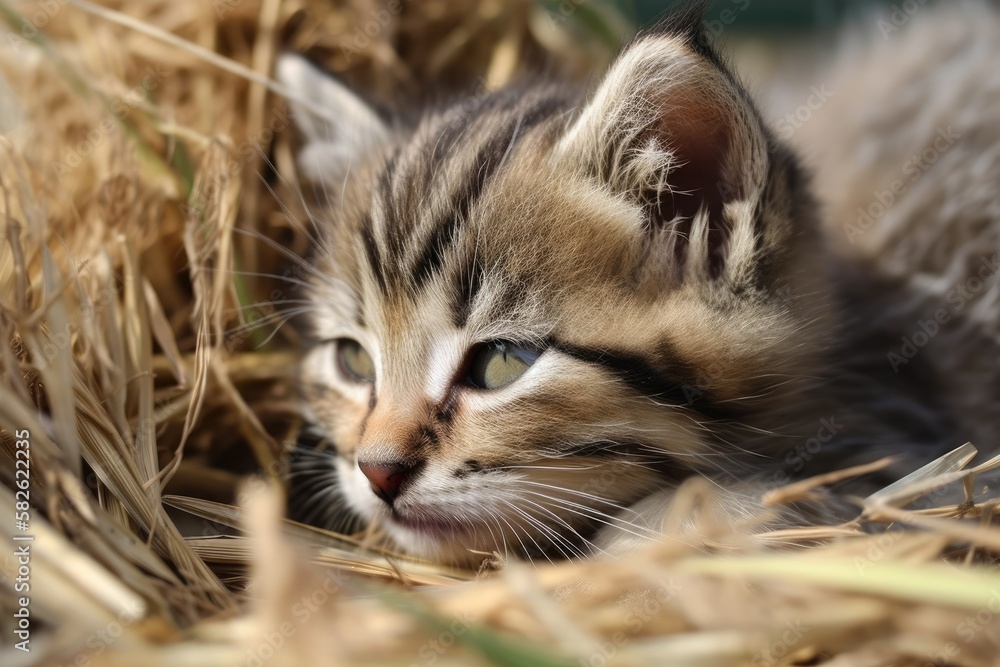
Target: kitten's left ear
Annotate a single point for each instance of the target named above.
(669, 127)
(348, 132)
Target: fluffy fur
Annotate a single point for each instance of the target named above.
(653, 240)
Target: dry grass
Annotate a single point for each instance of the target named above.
(138, 154)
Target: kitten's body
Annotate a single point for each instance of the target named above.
(653, 243)
(918, 111)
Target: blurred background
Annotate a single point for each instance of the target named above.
(780, 48)
(770, 19)
(771, 15)
(777, 46)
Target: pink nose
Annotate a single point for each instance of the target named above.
(385, 478)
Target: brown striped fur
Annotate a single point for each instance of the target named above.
(652, 239)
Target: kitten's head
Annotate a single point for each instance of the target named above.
(534, 309)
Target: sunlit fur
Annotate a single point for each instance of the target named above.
(651, 236)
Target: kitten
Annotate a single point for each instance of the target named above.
(540, 310)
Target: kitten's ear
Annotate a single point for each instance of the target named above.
(338, 126)
(670, 126)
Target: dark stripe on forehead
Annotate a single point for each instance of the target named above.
(445, 230)
(467, 282)
(430, 259)
(387, 177)
(448, 140)
(372, 254)
(485, 165)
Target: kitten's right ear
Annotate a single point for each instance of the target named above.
(340, 129)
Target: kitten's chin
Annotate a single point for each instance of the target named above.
(437, 539)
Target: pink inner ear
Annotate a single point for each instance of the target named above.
(699, 133)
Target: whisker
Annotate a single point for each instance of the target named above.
(267, 319)
(601, 517)
(268, 304)
(546, 531)
(524, 549)
(284, 209)
(552, 532)
(288, 254)
(255, 274)
(576, 492)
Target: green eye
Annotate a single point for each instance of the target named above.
(498, 363)
(354, 363)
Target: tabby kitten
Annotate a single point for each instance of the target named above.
(538, 311)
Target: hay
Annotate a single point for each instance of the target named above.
(147, 237)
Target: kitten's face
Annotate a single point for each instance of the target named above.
(532, 312)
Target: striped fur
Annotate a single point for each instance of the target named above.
(652, 239)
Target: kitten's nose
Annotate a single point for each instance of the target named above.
(386, 478)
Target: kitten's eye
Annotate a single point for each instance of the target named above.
(496, 364)
(354, 362)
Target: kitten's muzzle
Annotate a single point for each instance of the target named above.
(386, 479)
